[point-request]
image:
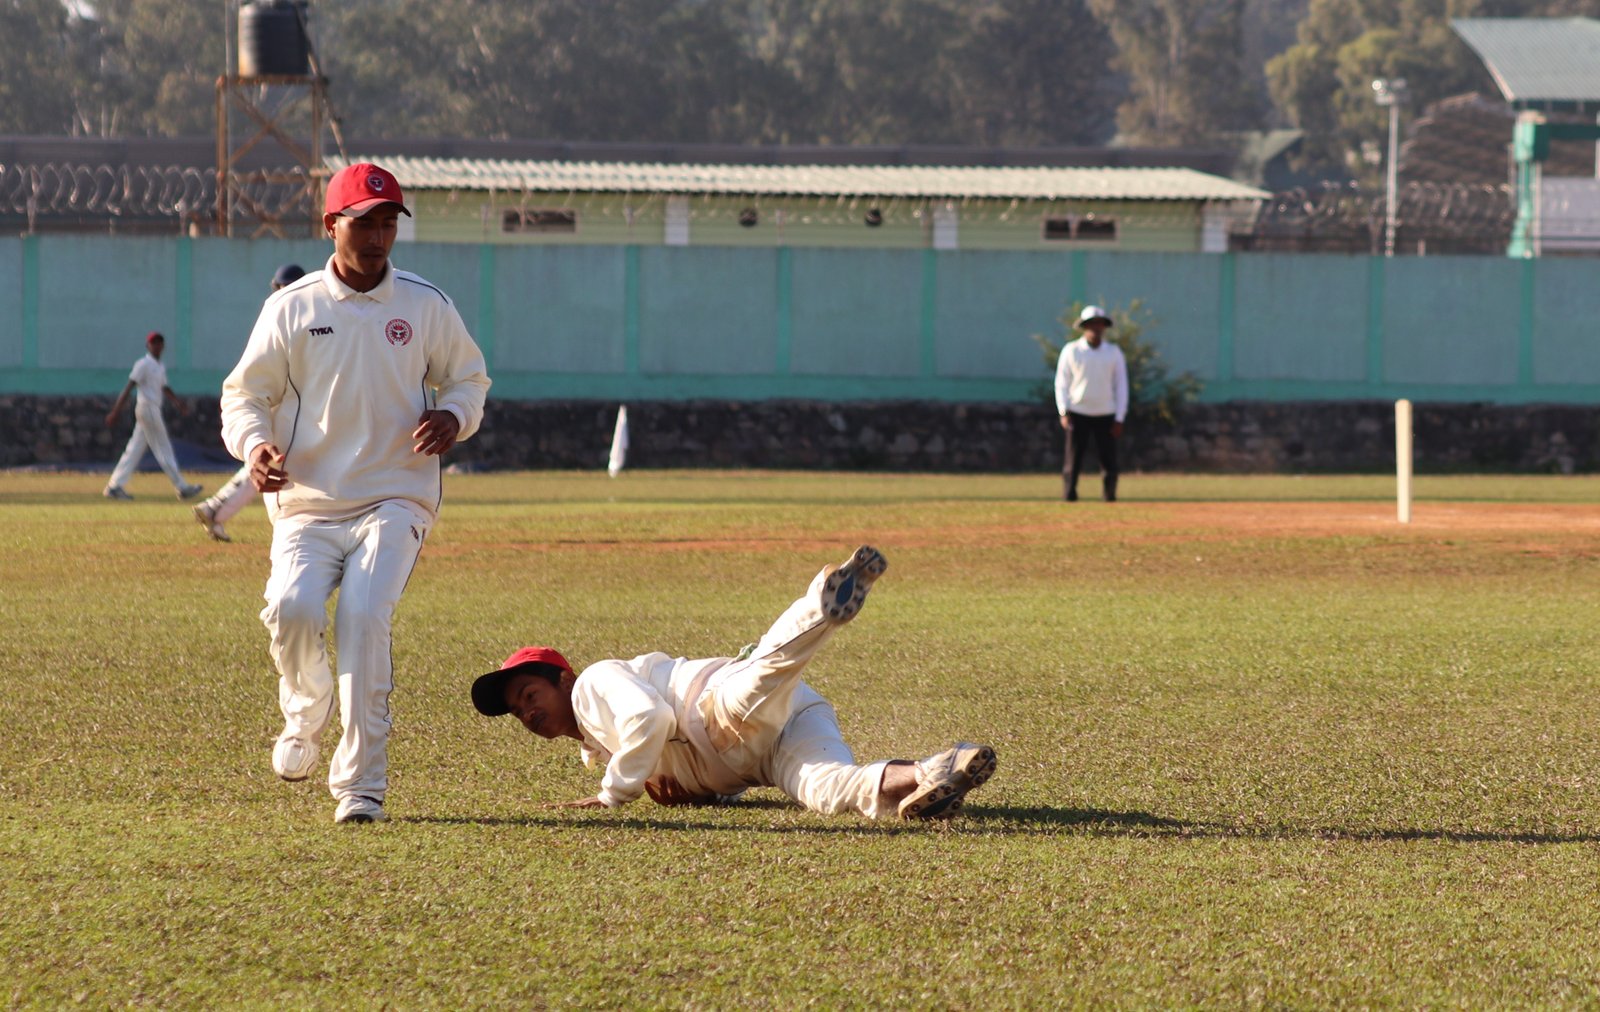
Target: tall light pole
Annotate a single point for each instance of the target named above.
(1390, 92)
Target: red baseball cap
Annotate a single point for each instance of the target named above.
(356, 189)
(489, 691)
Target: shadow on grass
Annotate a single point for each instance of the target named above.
(1103, 822)
(1036, 821)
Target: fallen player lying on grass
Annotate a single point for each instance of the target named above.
(700, 731)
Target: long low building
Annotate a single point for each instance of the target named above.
(888, 206)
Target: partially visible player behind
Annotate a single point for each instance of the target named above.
(238, 492)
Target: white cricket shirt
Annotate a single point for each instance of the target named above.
(1092, 381)
(337, 380)
(628, 712)
(149, 378)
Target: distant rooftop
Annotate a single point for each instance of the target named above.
(1539, 63)
(906, 181)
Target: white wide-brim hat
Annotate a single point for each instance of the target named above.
(1093, 313)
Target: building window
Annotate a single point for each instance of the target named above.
(1057, 229)
(1092, 228)
(1084, 229)
(539, 220)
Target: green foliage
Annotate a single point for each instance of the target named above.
(1323, 83)
(1013, 72)
(1152, 391)
(1260, 764)
(33, 67)
(1185, 60)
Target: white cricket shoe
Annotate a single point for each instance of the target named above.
(293, 757)
(207, 517)
(944, 780)
(360, 808)
(189, 491)
(845, 589)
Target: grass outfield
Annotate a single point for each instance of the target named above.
(1259, 745)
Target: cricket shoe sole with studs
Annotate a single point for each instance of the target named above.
(944, 780)
(845, 589)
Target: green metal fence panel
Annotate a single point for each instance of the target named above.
(988, 305)
(560, 310)
(1300, 317)
(1183, 292)
(1566, 323)
(13, 288)
(1451, 320)
(856, 316)
(708, 310)
(98, 299)
(614, 321)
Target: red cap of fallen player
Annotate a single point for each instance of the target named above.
(489, 691)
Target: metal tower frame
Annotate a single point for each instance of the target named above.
(236, 92)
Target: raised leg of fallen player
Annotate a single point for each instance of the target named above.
(761, 716)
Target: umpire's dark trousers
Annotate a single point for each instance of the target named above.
(1080, 430)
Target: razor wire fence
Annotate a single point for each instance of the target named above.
(1345, 217)
(148, 198)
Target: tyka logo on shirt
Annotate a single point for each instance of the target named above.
(398, 332)
(321, 331)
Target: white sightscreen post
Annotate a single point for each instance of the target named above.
(1402, 458)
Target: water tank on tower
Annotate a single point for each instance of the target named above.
(272, 39)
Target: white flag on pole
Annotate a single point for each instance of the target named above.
(619, 443)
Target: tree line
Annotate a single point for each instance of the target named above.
(987, 73)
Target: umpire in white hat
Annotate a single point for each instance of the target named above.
(1092, 399)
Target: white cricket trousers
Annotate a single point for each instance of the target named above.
(767, 722)
(368, 559)
(148, 431)
(232, 497)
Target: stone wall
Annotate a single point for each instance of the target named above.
(920, 436)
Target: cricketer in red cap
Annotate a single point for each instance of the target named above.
(489, 691)
(356, 189)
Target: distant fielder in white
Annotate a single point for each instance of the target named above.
(355, 378)
(149, 378)
(700, 731)
(238, 493)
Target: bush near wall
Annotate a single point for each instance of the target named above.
(1241, 437)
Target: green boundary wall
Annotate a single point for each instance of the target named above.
(649, 322)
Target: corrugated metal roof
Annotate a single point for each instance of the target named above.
(1538, 61)
(1008, 182)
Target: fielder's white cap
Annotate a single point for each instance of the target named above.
(1093, 313)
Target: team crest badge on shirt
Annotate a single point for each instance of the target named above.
(398, 332)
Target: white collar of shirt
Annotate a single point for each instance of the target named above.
(341, 291)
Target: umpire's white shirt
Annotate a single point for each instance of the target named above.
(1092, 381)
(336, 379)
